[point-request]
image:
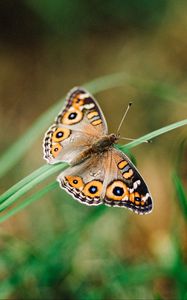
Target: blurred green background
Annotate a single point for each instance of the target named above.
(57, 248)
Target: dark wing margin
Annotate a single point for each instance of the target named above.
(81, 100)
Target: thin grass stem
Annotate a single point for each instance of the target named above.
(22, 182)
(29, 200)
(154, 134)
(19, 193)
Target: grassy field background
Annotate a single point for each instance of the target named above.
(51, 246)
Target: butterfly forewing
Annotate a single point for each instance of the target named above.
(83, 112)
(78, 125)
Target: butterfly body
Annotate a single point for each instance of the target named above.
(99, 172)
(103, 144)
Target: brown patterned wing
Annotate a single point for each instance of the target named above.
(78, 125)
(85, 182)
(125, 186)
(82, 112)
(64, 144)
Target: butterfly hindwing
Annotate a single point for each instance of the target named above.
(126, 187)
(79, 124)
(85, 182)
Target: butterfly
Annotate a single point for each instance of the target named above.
(99, 173)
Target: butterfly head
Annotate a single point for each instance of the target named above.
(114, 138)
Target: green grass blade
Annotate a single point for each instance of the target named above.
(29, 200)
(20, 192)
(154, 134)
(28, 179)
(181, 195)
(22, 182)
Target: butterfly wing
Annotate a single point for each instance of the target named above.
(77, 126)
(108, 178)
(81, 108)
(125, 186)
(85, 181)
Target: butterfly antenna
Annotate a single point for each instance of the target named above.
(125, 114)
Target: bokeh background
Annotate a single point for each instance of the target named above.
(57, 248)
